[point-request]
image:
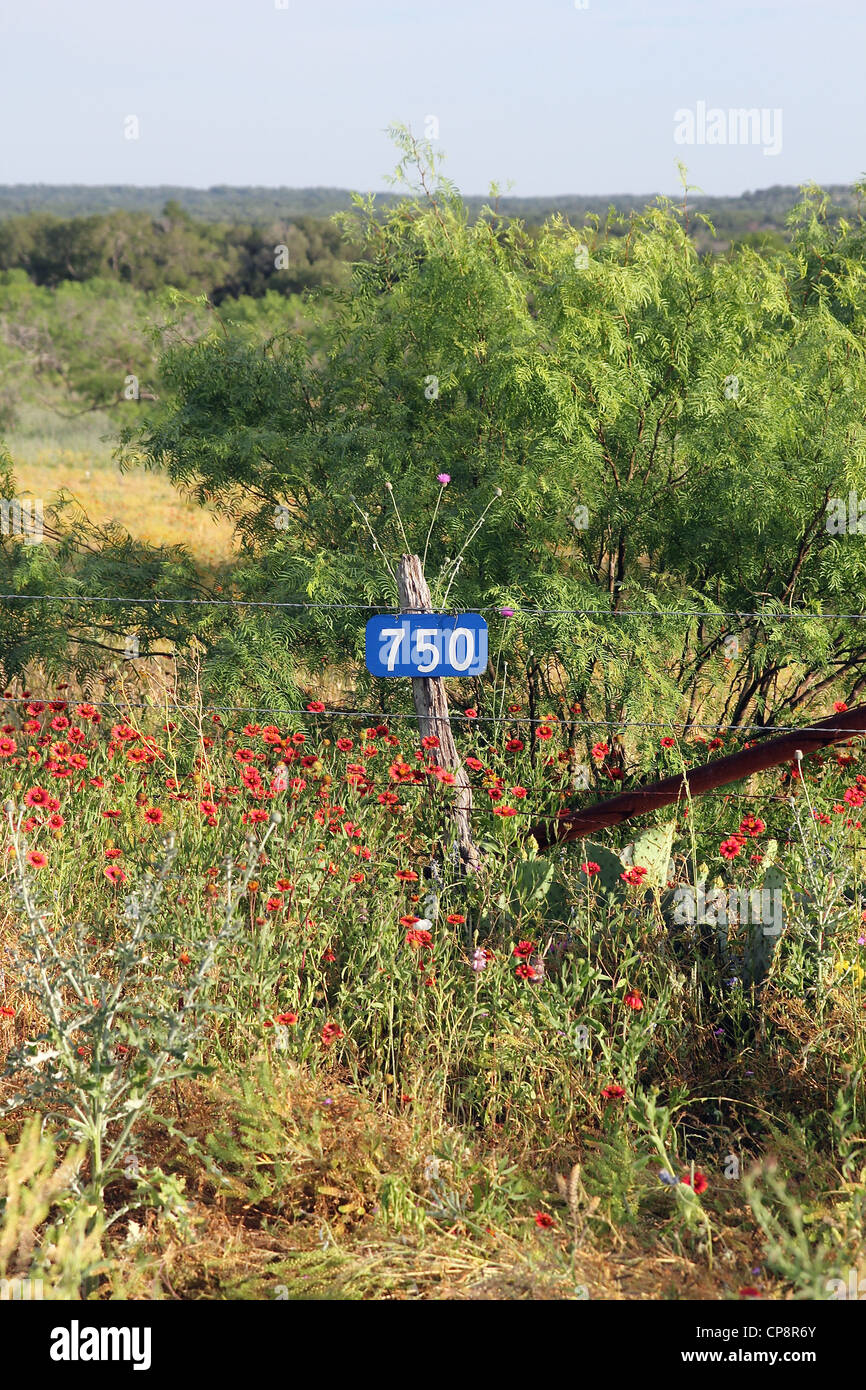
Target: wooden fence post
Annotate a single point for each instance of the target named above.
(431, 707)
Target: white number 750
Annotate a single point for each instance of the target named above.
(426, 644)
(388, 654)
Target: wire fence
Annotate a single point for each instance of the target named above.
(502, 609)
(380, 716)
(515, 719)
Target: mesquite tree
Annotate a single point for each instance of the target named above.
(668, 431)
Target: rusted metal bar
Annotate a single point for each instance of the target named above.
(697, 780)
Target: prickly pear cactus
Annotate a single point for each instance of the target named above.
(764, 935)
(532, 880)
(652, 849)
(610, 867)
(529, 890)
(771, 850)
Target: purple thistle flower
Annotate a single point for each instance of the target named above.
(443, 478)
(507, 612)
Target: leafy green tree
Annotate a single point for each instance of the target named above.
(666, 430)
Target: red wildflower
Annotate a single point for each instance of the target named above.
(524, 949)
(633, 1000)
(443, 775)
(288, 1019)
(316, 707)
(613, 1092)
(700, 1183)
(36, 860)
(330, 1033)
(752, 825)
(635, 875)
(416, 936)
(543, 1220)
(729, 849)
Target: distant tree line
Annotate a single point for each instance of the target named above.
(758, 212)
(223, 260)
(264, 244)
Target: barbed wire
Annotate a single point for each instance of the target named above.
(562, 813)
(504, 610)
(380, 717)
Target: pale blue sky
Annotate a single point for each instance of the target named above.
(553, 98)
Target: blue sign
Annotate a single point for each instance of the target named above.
(427, 644)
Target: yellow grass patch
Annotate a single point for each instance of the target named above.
(144, 504)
